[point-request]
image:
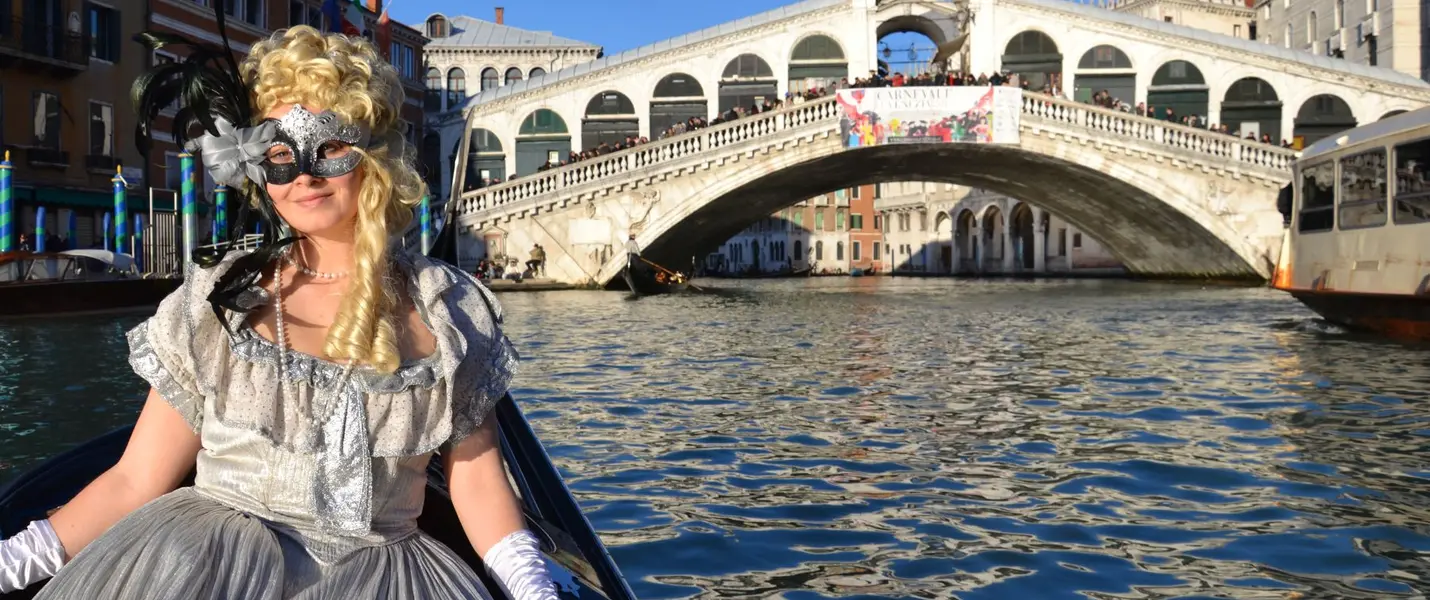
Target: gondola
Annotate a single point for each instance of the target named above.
(648, 279)
(578, 560)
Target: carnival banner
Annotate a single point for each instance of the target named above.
(929, 115)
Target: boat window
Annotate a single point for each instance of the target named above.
(1412, 189)
(1317, 198)
(1363, 190)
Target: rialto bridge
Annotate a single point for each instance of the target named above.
(1164, 198)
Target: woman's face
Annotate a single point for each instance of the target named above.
(316, 206)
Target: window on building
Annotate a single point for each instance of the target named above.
(456, 87)
(840, 220)
(1236, 31)
(437, 27)
(818, 220)
(856, 222)
(799, 219)
(536, 72)
(838, 250)
(1363, 179)
(103, 32)
(819, 250)
(855, 251)
(798, 250)
(1412, 182)
(923, 220)
(1077, 241)
(1062, 241)
(1167, 19)
(47, 120)
(490, 79)
(878, 191)
(854, 192)
(433, 101)
(513, 75)
(878, 222)
(1317, 198)
(101, 129)
(1311, 27)
(248, 11)
(172, 178)
(876, 250)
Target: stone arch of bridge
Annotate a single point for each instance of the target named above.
(939, 33)
(1151, 223)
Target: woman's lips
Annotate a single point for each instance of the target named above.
(311, 200)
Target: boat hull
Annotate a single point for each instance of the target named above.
(642, 282)
(58, 297)
(1400, 316)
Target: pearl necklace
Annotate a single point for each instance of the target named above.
(280, 335)
(302, 268)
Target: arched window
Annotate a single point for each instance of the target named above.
(536, 72)
(513, 75)
(456, 87)
(799, 249)
(819, 250)
(434, 90)
(438, 27)
(490, 79)
(838, 250)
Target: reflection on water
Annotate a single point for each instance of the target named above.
(902, 438)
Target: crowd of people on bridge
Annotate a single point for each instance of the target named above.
(1105, 99)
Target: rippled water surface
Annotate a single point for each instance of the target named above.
(928, 438)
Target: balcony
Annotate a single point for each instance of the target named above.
(36, 45)
(47, 157)
(99, 163)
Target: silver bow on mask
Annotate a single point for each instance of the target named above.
(236, 153)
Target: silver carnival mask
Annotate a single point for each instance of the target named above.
(320, 145)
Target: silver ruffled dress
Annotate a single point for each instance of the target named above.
(313, 493)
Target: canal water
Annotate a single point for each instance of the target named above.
(879, 437)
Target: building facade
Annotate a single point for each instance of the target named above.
(1368, 32)
(467, 55)
(65, 119)
(833, 233)
(1236, 18)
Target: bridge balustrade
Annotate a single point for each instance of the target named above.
(823, 114)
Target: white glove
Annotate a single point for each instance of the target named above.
(35, 554)
(516, 563)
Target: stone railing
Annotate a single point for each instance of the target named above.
(1125, 125)
(639, 158)
(822, 115)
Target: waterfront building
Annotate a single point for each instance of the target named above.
(947, 229)
(1376, 33)
(467, 55)
(65, 117)
(1236, 18)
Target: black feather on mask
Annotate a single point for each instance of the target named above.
(209, 86)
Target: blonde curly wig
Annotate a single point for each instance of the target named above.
(348, 76)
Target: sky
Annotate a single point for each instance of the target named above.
(615, 25)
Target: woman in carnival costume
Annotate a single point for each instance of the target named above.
(306, 384)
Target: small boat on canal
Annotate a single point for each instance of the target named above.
(1357, 250)
(649, 279)
(75, 281)
(579, 563)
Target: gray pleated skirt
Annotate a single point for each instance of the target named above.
(184, 546)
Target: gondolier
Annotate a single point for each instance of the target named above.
(633, 252)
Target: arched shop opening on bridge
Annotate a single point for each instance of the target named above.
(1105, 68)
(1322, 116)
(543, 139)
(1180, 86)
(907, 46)
(1251, 107)
(676, 99)
(747, 81)
(1035, 58)
(610, 118)
(816, 62)
(485, 159)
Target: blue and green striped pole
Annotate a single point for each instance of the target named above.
(107, 222)
(221, 213)
(40, 229)
(424, 220)
(7, 206)
(121, 212)
(139, 242)
(187, 202)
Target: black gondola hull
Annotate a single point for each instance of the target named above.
(567, 538)
(643, 282)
